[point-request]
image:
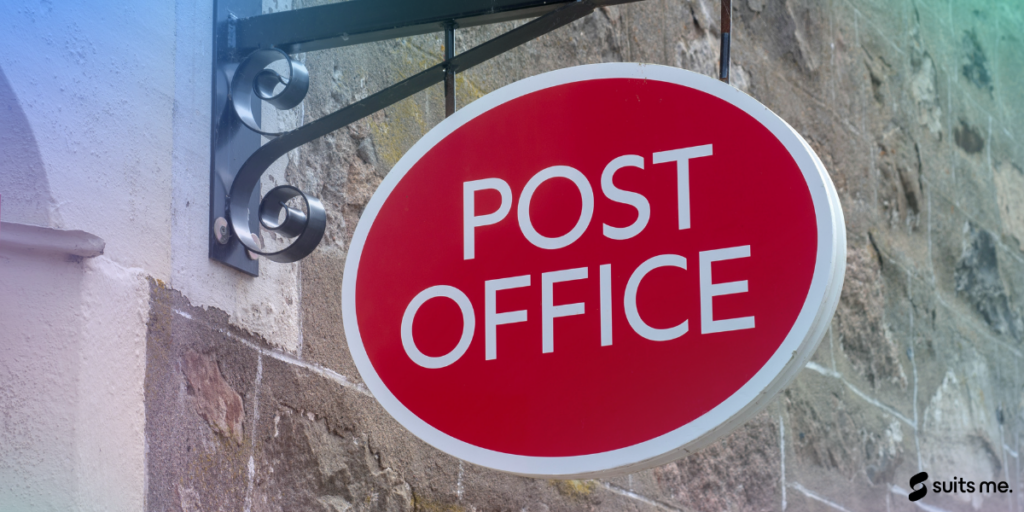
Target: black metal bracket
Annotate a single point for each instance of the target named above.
(246, 42)
(725, 24)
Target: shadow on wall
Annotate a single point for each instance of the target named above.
(23, 184)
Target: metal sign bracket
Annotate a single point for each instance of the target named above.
(246, 42)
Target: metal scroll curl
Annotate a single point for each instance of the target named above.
(253, 78)
(254, 81)
(307, 227)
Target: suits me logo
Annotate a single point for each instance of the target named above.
(955, 485)
(917, 492)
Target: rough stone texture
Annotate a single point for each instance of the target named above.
(192, 466)
(708, 480)
(864, 337)
(1009, 189)
(913, 106)
(977, 277)
(216, 402)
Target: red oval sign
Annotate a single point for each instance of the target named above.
(594, 269)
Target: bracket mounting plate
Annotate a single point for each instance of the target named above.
(231, 143)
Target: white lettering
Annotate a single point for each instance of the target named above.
(471, 221)
(643, 208)
(606, 305)
(586, 193)
(682, 159)
(492, 319)
(549, 311)
(468, 326)
(709, 291)
(638, 325)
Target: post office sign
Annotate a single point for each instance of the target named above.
(593, 271)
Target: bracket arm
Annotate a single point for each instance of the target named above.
(362, 21)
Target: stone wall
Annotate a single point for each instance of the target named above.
(914, 106)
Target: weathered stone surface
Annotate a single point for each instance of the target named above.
(975, 63)
(1009, 191)
(978, 279)
(191, 466)
(924, 91)
(863, 335)
(216, 402)
(305, 465)
(826, 434)
(899, 164)
(840, 447)
(740, 473)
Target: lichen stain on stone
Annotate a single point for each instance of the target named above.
(580, 490)
(393, 135)
(216, 402)
(468, 91)
(422, 504)
(402, 124)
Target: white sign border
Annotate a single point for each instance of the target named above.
(797, 348)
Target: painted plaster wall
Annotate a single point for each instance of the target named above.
(106, 131)
(72, 429)
(40, 375)
(95, 83)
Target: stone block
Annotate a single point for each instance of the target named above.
(841, 447)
